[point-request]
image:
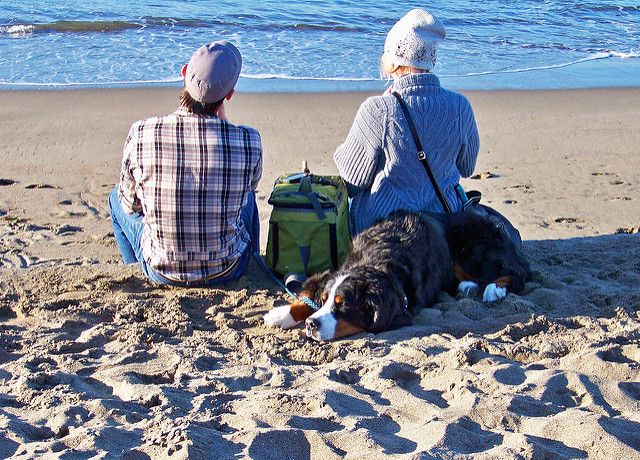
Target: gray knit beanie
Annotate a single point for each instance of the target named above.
(412, 41)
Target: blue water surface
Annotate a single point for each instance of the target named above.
(317, 45)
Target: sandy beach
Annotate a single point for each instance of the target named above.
(96, 362)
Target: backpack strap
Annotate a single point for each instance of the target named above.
(422, 156)
(306, 189)
(276, 243)
(333, 245)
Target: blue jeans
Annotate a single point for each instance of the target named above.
(127, 229)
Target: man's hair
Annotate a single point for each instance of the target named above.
(199, 108)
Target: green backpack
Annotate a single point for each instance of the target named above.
(309, 224)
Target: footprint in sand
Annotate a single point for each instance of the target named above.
(524, 188)
(39, 185)
(67, 229)
(631, 389)
(576, 222)
(620, 354)
(93, 210)
(15, 259)
(616, 179)
(349, 376)
(568, 220)
(71, 214)
(78, 207)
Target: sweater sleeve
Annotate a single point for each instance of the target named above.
(357, 158)
(466, 161)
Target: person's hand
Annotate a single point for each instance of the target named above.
(220, 113)
(389, 90)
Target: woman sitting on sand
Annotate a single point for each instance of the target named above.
(378, 160)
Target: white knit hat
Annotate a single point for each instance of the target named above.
(412, 40)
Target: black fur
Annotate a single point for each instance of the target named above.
(396, 266)
(484, 251)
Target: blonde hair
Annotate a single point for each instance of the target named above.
(389, 70)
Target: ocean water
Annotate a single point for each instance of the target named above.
(317, 45)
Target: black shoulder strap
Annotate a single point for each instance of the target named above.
(421, 155)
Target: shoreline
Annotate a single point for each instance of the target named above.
(325, 87)
(587, 75)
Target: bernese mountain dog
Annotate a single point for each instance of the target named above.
(401, 264)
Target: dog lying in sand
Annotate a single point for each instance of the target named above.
(402, 264)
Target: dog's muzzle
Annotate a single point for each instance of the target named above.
(328, 327)
(321, 327)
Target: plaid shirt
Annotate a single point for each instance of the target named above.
(190, 175)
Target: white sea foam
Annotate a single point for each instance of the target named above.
(100, 84)
(282, 76)
(593, 57)
(285, 77)
(17, 30)
(627, 55)
(118, 83)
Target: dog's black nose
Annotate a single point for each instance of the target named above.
(312, 324)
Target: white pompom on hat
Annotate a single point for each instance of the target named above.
(412, 41)
(212, 71)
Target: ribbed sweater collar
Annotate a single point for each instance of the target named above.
(417, 82)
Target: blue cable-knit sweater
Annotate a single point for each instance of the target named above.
(378, 160)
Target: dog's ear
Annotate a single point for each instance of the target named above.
(386, 305)
(520, 274)
(513, 264)
(314, 285)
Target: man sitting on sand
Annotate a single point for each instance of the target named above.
(185, 206)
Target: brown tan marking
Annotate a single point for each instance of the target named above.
(345, 329)
(503, 281)
(300, 310)
(461, 274)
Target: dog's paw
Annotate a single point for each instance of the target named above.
(468, 288)
(493, 293)
(280, 316)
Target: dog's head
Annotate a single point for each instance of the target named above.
(483, 253)
(354, 301)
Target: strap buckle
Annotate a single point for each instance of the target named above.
(422, 156)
